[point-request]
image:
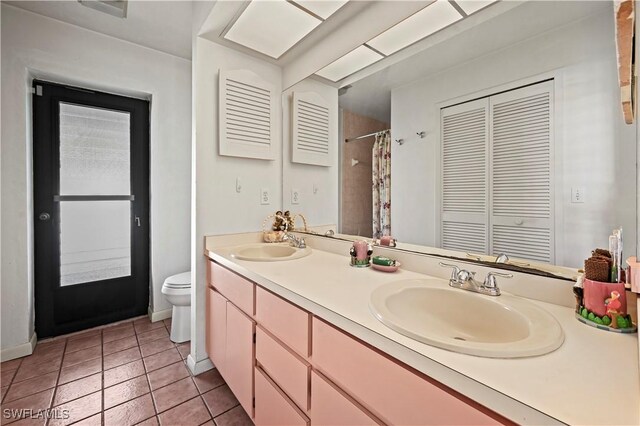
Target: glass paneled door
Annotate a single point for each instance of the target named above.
(91, 180)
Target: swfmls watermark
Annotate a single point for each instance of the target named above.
(29, 413)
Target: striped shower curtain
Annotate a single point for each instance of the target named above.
(381, 177)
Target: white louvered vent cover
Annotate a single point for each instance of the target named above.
(467, 237)
(311, 123)
(522, 242)
(247, 115)
(522, 157)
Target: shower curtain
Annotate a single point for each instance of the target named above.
(381, 176)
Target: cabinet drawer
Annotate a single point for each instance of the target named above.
(289, 372)
(273, 407)
(329, 406)
(392, 392)
(287, 322)
(236, 289)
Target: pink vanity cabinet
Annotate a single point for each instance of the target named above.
(288, 367)
(230, 330)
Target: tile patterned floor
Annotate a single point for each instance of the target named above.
(122, 374)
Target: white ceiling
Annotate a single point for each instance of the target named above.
(162, 25)
(371, 96)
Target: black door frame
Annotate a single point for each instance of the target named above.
(55, 306)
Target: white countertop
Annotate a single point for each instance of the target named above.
(591, 379)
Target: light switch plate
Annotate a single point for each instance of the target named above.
(265, 196)
(578, 194)
(295, 196)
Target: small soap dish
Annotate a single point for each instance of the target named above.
(384, 264)
(384, 268)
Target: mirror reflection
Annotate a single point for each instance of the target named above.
(504, 142)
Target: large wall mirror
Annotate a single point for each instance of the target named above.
(506, 136)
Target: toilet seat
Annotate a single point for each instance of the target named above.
(179, 281)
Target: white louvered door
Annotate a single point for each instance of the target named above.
(465, 213)
(311, 129)
(247, 115)
(521, 173)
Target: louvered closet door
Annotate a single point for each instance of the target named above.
(465, 135)
(521, 173)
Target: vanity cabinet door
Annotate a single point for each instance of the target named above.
(240, 356)
(216, 328)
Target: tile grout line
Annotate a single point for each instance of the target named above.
(102, 379)
(12, 380)
(55, 388)
(146, 375)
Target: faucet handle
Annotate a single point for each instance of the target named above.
(490, 281)
(455, 270)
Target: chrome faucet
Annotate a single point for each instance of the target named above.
(297, 242)
(465, 280)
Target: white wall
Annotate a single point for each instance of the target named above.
(216, 206)
(596, 148)
(321, 207)
(35, 46)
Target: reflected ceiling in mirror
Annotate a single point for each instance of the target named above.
(525, 151)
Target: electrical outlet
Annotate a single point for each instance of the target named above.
(295, 196)
(578, 195)
(265, 196)
(238, 185)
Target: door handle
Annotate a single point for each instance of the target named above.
(44, 216)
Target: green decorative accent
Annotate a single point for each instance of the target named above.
(584, 312)
(598, 321)
(591, 316)
(622, 322)
(384, 261)
(606, 320)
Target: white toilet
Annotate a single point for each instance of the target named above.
(177, 290)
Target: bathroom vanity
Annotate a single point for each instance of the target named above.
(297, 343)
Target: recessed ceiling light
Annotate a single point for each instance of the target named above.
(432, 18)
(117, 8)
(271, 27)
(348, 64)
(322, 8)
(471, 6)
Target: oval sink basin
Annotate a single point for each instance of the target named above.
(461, 321)
(269, 252)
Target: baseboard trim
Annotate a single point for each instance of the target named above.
(20, 350)
(198, 367)
(160, 315)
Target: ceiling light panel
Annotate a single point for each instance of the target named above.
(322, 8)
(348, 64)
(432, 18)
(471, 6)
(271, 27)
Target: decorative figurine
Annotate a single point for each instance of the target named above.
(361, 254)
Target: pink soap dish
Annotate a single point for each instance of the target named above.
(383, 268)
